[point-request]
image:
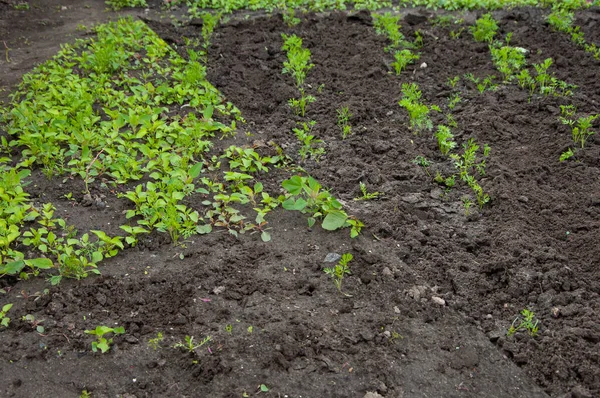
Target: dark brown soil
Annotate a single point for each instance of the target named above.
(534, 246)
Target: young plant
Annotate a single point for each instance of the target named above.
(508, 60)
(155, 342)
(566, 155)
(453, 100)
(423, 162)
(417, 111)
(467, 203)
(403, 58)
(453, 81)
(305, 194)
(298, 59)
(289, 17)
(343, 121)
(525, 322)
(338, 272)
(387, 24)
(190, 345)
(310, 145)
(445, 139)
(366, 195)
(299, 105)
(102, 343)
(485, 28)
(582, 129)
(5, 320)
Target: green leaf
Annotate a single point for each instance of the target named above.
(103, 345)
(264, 388)
(41, 263)
(12, 268)
(265, 236)
(293, 185)
(196, 170)
(334, 220)
(6, 308)
(291, 204)
(204, 229)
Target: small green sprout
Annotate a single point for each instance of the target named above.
(4, 320)
(339, 271)
(566, 155)
(525, 322)
(365, 194)
(485, 28)
(155, 342)
(343, 121)
(102, 343)
(402, 59)
(189, 343)
(423, 162)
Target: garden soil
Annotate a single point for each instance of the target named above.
(432, 291)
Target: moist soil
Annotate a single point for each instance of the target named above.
(433, 291)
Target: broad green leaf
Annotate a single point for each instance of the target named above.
(6, 308)
(291, 204)
(41, 263)
(12, 268)
(265, 236)
(204, 229)
(334, 220)
(196, 170)
(293, 185)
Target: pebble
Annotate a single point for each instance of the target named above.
(387, 272)
(396, 310)
(423, 65)
(332, 258)
(523, 199)
(438, 300)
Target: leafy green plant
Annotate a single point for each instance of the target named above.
(343, 121)
(485, 28)
(4, 319)
(508, 60)
(423, 162)
(366, 195)
(299, 105)
(387, 24)
(525, 322)
(402, 59)
(305, 194)
(581, 130)
(445, 139)
(310, 145)
(453, 81)
(189, 344)
(467, 203)
(102, 343)
(35, 323)
(417, 111)
(289, 17)
(453, 100)
(155, 342)
(566, 155)
(341, 269)
(119, 4)
(298, 58)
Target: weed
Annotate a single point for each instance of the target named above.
(190, 345)
(289, 17)
(85, 394)
(305, 195)
(581, 130)
(299, 105)
(508, 60)
(453, 100)
(155, 342)
(525, 322)
(4, 319)
(338, 272)
(102, 343)
(35, 323)
(366, 195)
(485, 28)
(453, 81)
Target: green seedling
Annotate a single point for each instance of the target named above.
(299, 105)
(289, 17)
(566, 155)
(453, 81)
(35, 323)
(305, 194)
(102, 343)
(116, 5)
(453, 100)
(4, 319)
(525, 322)
(423, 162)
(581, 131)
(455, 34)
(338, 272)
(190, 345)
(485, 28)
(417, 111)
(467, 205)
(85, 394)
(366, 195)
(343, 121)
(445, 139)
(155, 342)
(508, 60)
(402, 59)
(387, 24)
(298, 59)
(311, 147)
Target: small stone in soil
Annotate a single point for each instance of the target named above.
(332, 258)
(438, 300)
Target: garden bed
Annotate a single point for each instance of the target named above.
(434, 286)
